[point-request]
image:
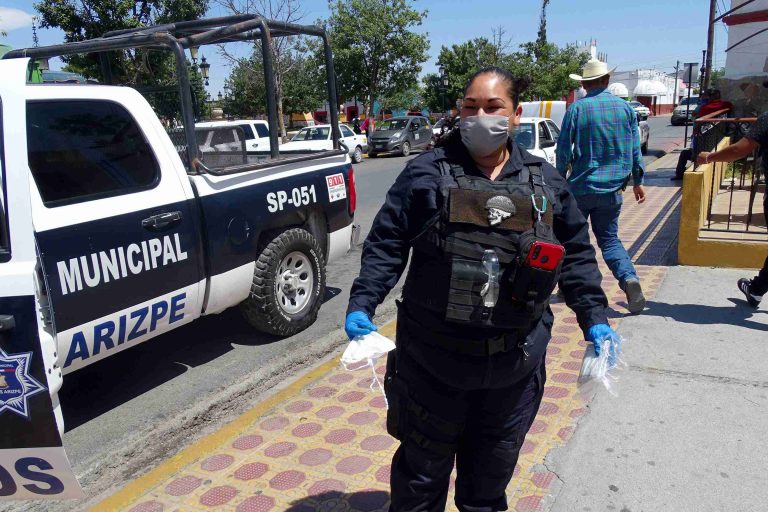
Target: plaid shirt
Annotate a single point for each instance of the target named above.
(601, 141)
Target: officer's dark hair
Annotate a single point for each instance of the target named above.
(515, 87)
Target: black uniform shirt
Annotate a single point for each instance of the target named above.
(414, 199)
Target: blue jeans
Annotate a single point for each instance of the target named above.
(603, 211)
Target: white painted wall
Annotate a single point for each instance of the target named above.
(749, 58)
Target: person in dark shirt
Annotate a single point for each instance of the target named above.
(755, 138)
(462, 387)
(710, 105)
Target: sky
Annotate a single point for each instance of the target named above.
(648, 34)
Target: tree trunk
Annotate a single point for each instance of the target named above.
(279, 101)
(280, 120)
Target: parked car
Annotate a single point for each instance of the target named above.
(400, 134)
(538, 135)
(641, 110)
(256, 132)
(318, 138)
(645, 134)
(683, 113)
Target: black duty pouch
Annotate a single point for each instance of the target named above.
(533, 283)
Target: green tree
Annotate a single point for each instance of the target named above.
(717, 74)
(377, 53)
(431, 93)
(283, 48)
(246, 92)
(541, 38)
(549, 72)
(82, 19)
(409, 99)
(303, 87)
(460, 62)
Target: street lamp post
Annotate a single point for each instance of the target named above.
(443, 85)
(204, 69)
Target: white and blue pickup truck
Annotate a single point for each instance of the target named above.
(109, 238)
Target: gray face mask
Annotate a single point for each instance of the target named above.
(482, 135)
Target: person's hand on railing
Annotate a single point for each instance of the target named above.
(702, 158)
(639, 193)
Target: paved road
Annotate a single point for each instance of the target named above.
(141, 405)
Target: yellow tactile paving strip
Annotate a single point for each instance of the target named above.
(321, 445)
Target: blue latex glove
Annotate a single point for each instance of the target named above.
(358, 324)
(598, 332)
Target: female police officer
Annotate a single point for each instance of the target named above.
(492, 230)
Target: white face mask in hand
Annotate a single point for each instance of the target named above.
(363, 351)
(482, 135)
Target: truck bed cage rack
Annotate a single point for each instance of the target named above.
(178, 36)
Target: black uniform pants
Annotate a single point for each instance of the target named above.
(481, 430)
(685, 156)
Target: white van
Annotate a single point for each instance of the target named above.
(554, 110)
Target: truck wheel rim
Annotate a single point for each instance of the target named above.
(295, 282)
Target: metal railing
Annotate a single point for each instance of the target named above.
(176, 38)
(734, 186)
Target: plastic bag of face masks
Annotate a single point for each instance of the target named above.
(363, 351)
(602, 368)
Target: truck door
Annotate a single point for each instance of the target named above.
(116, 225)
(33, 464)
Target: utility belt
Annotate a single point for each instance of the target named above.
(477, 346)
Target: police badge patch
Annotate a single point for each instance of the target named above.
(499, 208)
(16, 384)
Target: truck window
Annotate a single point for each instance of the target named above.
(247, 131)
(262, 130)
(5, 246)
(85, 150)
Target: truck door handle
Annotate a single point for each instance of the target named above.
(7, 322)
(161, 221)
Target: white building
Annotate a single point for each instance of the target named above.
(746, 61)
(651, 87)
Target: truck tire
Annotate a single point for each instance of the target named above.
(288, 284)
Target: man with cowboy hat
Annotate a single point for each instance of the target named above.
(600, 142)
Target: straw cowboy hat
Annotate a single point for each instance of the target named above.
(593, 70)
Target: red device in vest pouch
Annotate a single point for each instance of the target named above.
(544, 255)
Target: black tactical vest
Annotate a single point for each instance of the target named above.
(446, 275)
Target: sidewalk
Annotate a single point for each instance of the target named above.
(320, 444)
(687, 430)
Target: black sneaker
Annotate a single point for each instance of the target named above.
(752, 299)
(635, 297)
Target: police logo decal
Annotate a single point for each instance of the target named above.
(16, 384)
(499, 209)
